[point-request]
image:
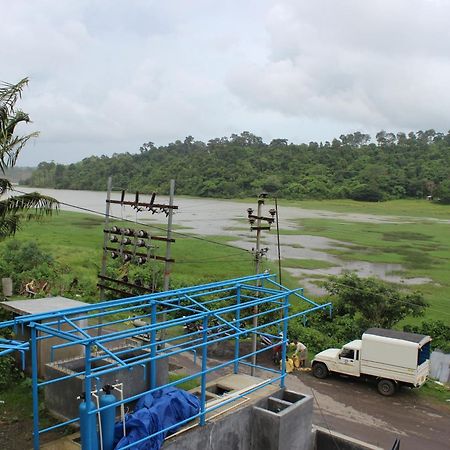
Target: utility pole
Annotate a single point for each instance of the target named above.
(167, 265)
(105, 243)
(106, 235)
(258, 252)
(133, 246)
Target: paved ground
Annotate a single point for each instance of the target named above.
(355, 408)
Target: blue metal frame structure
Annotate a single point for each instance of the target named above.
(225, 310)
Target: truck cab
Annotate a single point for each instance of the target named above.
(345, 360)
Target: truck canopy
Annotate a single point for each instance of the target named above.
(420, 339)
(397, 349)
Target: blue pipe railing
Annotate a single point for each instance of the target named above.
(200, 302)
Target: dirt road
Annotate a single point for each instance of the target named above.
(355, 408)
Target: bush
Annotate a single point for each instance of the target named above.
(315, 340)
(9, 373)
(438, 330)
(26, 261)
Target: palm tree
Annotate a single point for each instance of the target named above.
(14, 208)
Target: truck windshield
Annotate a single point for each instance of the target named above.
(424, 354)
(347, 353)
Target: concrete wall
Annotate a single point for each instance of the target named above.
(61, 397)
(44, 348)
(440, 366)
(330, 440)
(270, 423)
(232, 431)
(283, 422)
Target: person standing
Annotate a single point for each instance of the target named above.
(301, 351)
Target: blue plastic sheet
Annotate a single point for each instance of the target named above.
(155, 412)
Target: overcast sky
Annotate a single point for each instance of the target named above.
(108, 75)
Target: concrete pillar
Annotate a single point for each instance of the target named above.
(283, 423)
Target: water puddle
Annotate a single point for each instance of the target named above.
(214, 217)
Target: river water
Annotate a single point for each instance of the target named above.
(215, 217)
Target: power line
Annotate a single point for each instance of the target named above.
(191, 236)
(187, 235)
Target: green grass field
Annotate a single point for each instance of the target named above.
(419, 241)
(422, 248)
(75, 240)
(407, 208)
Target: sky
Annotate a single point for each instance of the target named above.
(109, 75)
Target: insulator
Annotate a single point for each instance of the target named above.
(127, 257)
(127, 231)
(115, 229)
(140, 243)
(142, 234)
(126, 241)
(114, 255)
(141, 260)
(113, 238)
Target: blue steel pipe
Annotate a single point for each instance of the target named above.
(210, 409)
(173, 322)
(112, 303)
(238, 324)
(153, 348)
(283, 347)
(102, 371)
(229, 284)
(34, 386)
(204, 368)
(174, 383)
(232, 332)
(147, 328)
(189, 377)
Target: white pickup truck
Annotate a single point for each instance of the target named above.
(391, 358)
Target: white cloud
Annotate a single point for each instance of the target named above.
(378, 64)
(107, 76)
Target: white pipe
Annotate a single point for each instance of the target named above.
(97, 399)
(122, 406)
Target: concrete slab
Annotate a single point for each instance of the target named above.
(65, 443)
(41, 305)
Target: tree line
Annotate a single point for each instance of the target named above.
(392, 166)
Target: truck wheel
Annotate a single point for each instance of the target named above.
(386, 387)
(320, 370)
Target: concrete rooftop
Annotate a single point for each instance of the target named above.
(41, 305)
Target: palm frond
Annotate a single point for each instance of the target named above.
(34, 204)
(10, 93)
(9, 225)
(5, 185)
(10, 149)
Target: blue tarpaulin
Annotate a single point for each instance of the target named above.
(155, 412)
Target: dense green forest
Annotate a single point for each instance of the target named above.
(393, 166)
